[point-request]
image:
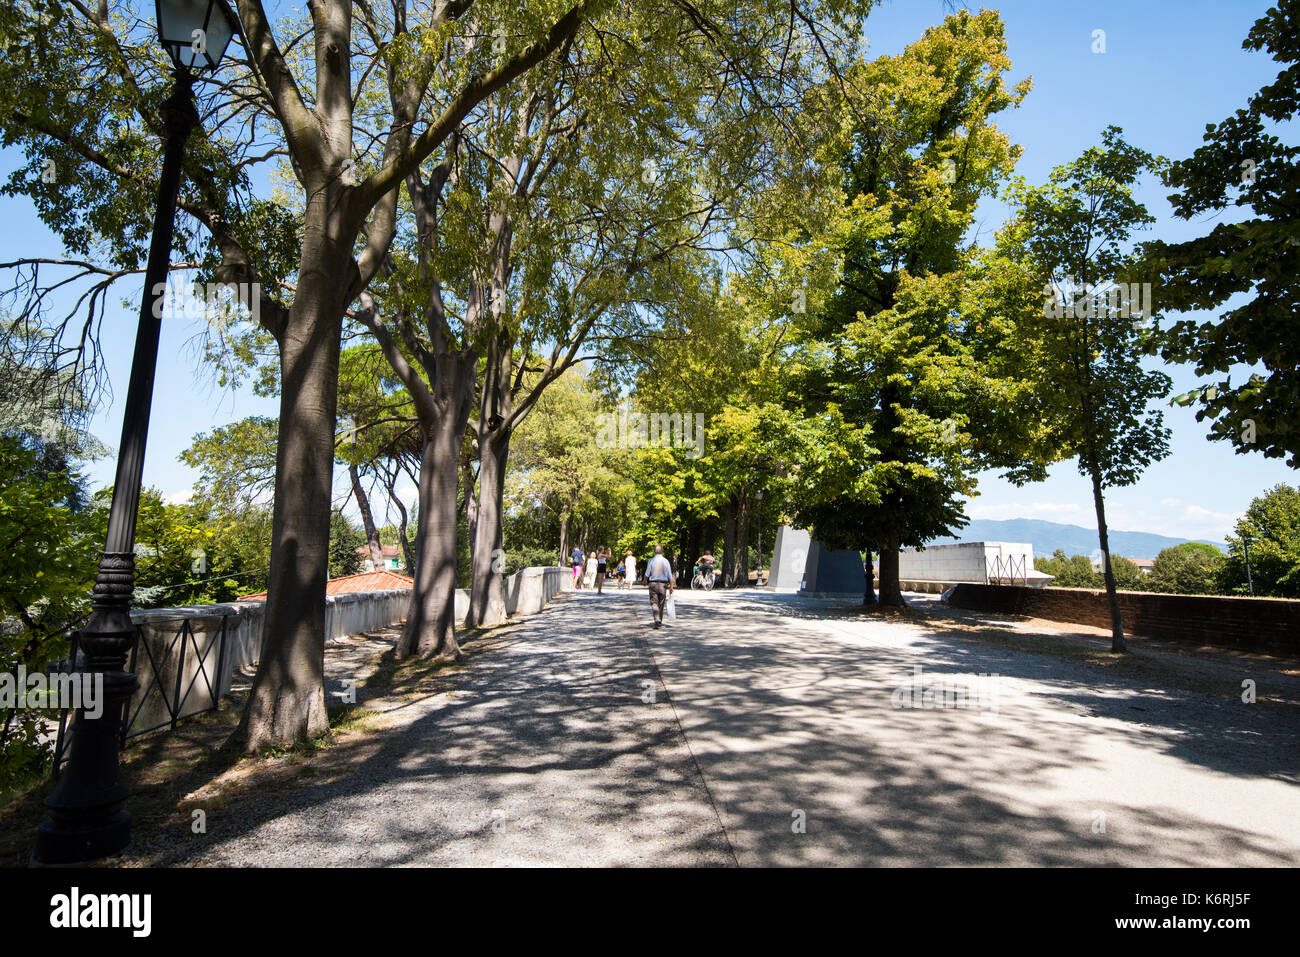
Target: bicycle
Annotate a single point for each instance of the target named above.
(703, 578)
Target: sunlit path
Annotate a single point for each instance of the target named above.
(554, 746)
(791, 717)
(777, 742)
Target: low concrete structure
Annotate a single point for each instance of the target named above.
(833, 573)
(346, 614)
(789, 559)
(939, 567)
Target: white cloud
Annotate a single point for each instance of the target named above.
(1068, 512)
(1196, 513)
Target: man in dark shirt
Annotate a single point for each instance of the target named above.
(577, 557)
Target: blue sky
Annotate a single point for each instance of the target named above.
(1170, 67)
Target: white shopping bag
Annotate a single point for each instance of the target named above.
(670, 609)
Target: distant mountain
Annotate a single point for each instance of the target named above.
(1047, 537)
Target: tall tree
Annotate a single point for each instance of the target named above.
(1071, 237)
(902, 373)
(1270, 530)
(307, 94)
(1246, 165)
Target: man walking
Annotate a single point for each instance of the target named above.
(659, 576)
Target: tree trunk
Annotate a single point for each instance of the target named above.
(408, 552)
(740, 558)
(487, 600)
(564, 540)
(891, 593)
(728, 544)
(443, 410)
(368, 520)
(287, 701)
(430, 629)
(1112, 595)
(471, 501)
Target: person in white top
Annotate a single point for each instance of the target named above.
(659, 576)
(589, 578)
(629, 564)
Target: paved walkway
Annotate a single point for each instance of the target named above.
(791, 713)
(559, 746)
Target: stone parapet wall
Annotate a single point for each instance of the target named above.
(1270, 625)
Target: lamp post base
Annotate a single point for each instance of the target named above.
(60, 842)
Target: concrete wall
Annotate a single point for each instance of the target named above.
(964, 561)
(789, 559)
(527, 592)
(530, 590)
(1270, 625)
(345, 615)
(830, 572)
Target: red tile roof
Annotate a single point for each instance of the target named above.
(367, 581)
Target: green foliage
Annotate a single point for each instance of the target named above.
(1191, 568)
(1093, 394)
(47, 568)
(557, 466)
(236, 462)
(1271, 530)
(902, 378)
(345, 539)
(1127, 574)
(529, 556)
(1074, 571)
(1245, 164)
(198, 552)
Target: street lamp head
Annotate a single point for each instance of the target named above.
(195, 33)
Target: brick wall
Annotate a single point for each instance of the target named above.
(1245, 624)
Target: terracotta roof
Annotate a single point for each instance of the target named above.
(348, 584)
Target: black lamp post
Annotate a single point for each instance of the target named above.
(1245, 546)
(1250, 582)
(759, 508)
(87, 817)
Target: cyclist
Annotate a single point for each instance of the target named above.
(704, 568)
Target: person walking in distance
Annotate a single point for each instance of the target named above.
(659, 576)
(577, 558)
(589, 579)
(629, 573)
(602, 569)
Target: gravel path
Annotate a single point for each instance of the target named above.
(549, 750)
(562, 743)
